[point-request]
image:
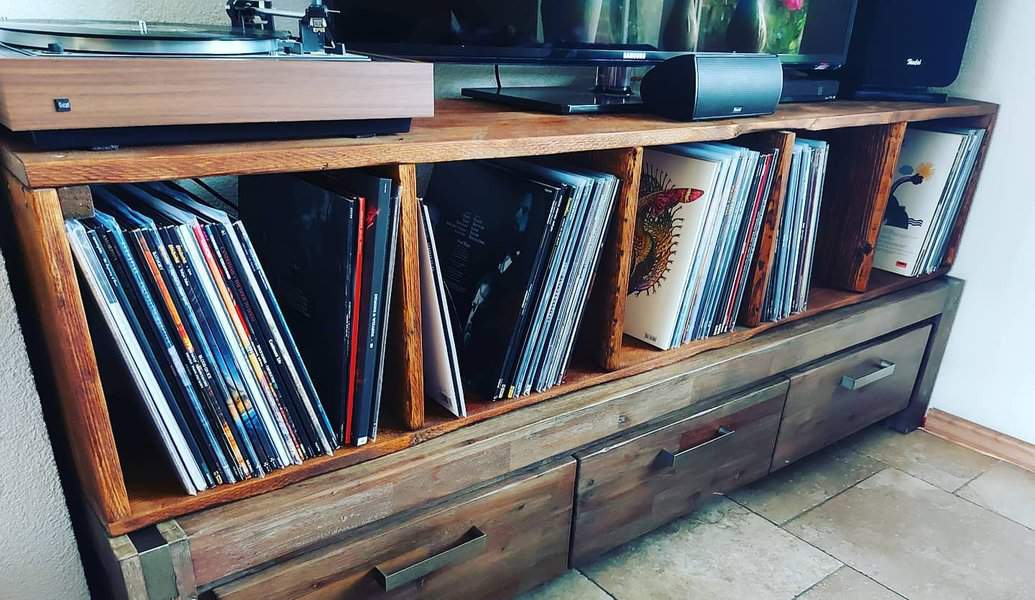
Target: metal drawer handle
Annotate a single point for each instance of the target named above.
(475, 541)
(887, 369)
(677, 459)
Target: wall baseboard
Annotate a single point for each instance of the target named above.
(980, 438)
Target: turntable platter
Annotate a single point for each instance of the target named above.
(134, 37)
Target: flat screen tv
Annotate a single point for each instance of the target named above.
(807, 34)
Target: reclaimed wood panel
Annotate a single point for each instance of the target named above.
(460, 130)
(526, 520)
(320, 508)
(606, 308)
(625, 490)
(55, 289)
(820, 411)
(404, 369)
(860, 169)
(765, 251)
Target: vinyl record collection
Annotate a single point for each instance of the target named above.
(519, 243)
(697, 224)
(199, 333)
(328, 245)
(926, 195)
(788, 290)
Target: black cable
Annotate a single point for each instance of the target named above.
(499, 84)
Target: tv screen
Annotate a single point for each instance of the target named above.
(805, 32)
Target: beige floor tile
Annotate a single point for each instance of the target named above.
(923, 542)
(807, 483)
(721, 551)
(570, 586)
(1007, 490)
(923, 455)
(849, 584)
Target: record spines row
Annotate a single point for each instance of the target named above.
(518, 248)
(790, 280)
(698, 223)
(199, 331)
(935, 167)
(331, 253)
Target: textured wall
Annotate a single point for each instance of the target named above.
(38, 556)
(984, 376)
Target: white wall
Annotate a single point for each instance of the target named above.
(986, 376)
(38, 556)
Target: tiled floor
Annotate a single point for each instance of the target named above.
(878, 516)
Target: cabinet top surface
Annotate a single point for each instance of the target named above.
(461, 130)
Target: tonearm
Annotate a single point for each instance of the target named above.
(313, 32)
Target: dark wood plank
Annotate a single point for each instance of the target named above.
(526, 520)
(55, 289)
(323, 507)
(404, 372)
(820, 411)
(762, 263)
(76, 202)
(606, 308)
(625, 490)
(460, 130)
(860, 168)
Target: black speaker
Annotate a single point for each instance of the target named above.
(902, 47)
(695, 87)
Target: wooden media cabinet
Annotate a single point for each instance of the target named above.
(505, 499)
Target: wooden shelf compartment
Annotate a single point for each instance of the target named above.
(129, 493)
(821, 300)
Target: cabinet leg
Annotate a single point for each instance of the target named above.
(912, 417)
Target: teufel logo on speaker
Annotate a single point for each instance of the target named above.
(914, 62)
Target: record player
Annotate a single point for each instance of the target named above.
(79, 84)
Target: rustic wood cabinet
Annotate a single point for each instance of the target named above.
(506, 498)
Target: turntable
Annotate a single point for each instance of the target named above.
(76, 84)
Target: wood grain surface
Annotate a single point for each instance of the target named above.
(404, 370)
(980, 438)
(320, 508)
(625, 491)
(526, 520)
(133, 92)
(765, 251)
(55, 289)
(460, 130)
(861, 166)
(820, 411)
(606, 309)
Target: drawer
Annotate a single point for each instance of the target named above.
(636, 483)
(488, 543)
(843, 394)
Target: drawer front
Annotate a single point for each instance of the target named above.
(639, 482)
(846, 393)
(489, 543)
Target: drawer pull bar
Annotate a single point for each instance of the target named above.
(474, 544)
(887, 369)
(676, 459)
